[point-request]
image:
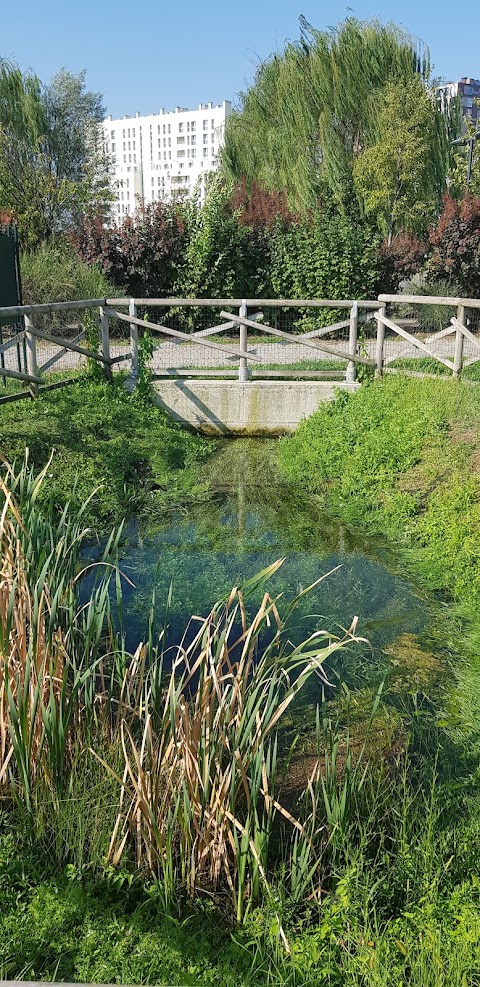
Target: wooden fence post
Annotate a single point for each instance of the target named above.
(31, 351)
(105, 342)
(132, 310)
(243, 368)
(459, 341)
(380, 342)
(351, 371)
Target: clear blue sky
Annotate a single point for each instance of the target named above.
(143, 54)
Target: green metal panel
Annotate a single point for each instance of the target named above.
(10, 293)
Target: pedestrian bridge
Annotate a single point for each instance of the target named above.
(238, 366)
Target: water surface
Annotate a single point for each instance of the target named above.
(252, 518)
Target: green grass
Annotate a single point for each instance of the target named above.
(106, 441)
(399, 457)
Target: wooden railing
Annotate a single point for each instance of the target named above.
(350, 340)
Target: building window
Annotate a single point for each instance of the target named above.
(193, 126)
(153, 180)
(169, 129)
(164, 141)
(180, 140)
(169, 141)
(194, 152)
(205, 138)
(180, 154)
(112, 133)
(188, 126)
(164, 155)
(213, 138)
(180, 128)
(212, 124)
(113, 148)
(205, 152)
(194, 139)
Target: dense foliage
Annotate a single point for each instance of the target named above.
(52, 165)
(314, 110)
(455, 242)
(144, 254)
(54, 273)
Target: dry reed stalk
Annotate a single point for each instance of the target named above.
(197, 792)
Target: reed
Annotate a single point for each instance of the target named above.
(197, 730)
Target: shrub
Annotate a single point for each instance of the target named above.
(143, 254)
(456, 244)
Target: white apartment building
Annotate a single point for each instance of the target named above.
(156, 156)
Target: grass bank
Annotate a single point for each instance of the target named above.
(401, 458)
(124, 454)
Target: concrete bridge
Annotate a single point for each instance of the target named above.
(256, 407)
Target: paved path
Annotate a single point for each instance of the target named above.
(173, 355)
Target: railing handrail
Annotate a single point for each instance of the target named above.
(430, 300)
(46, 307)
(236, 302)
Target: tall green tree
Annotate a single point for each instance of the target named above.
(400, 177)
(52, 164)
(459, 172)
(313, 110)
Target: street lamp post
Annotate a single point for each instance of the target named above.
(470, 141)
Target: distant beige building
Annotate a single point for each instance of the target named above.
(156, 156)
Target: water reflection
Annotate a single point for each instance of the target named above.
(252, 519)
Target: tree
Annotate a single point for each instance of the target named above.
(400, 177)
(313, 110)
(224, 258)
(51, 160)
(458, 177)
(325, 255)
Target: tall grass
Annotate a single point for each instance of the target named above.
(189, 737)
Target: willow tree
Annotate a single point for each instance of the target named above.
(313, 110)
